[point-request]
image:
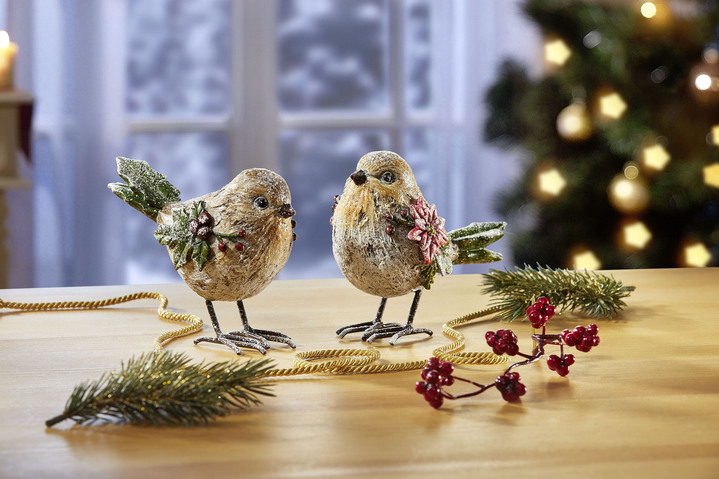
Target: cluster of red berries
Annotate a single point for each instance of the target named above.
(439, 373)
(508, 384)
(540, 312)
(202, 226)
(582, 338)
(560, 364)
(503, 341)
(222, 245)
(435, 374)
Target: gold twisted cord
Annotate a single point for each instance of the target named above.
(450, 352)
(341, 361)
(195, 323)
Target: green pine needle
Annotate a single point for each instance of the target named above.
(165, 388)
(594, 294)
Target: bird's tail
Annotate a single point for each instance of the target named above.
(144, 189)
(473, 239)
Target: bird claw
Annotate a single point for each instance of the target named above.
(264, 335)
(395, 331)
(235, 342)
(354, 328)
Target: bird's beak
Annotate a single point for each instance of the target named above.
(287, 211)
(359, 177)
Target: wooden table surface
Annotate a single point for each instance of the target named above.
(644, 403)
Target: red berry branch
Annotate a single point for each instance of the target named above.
(437, 374)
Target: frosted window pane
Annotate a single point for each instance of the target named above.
(333, 55)
(420, 152)
(418, 50)
(177, 57)
(316, 165)
(196, 163)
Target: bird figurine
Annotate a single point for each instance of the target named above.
(227, 245)
(388, 241)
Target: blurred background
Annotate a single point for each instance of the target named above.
(591, 127)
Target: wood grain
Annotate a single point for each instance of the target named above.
(642, 404)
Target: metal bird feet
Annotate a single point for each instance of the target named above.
(227, 245)
(388, 241)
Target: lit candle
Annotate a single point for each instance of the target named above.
(7, 61)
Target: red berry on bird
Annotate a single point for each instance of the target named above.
(204, 232)
(194, 225)
(205, 219)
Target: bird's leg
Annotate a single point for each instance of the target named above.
(261, 335)
(230, 340)
(395, 330)
(367, 326)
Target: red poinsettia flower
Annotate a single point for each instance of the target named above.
(428, 229)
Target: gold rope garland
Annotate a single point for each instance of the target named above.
(194, 326)
(342, 361)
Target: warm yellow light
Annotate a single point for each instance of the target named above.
(655, 157)
(586, 260)
(696, 255)
(715, 135)
(703, 82)
(628, 196)
(551, 182)
(557, 52)
(612, 105)
(4, 39)
(648, 10)
(711, 175)
(573, 122)
(636, 234)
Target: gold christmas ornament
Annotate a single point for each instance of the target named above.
(704, 77)
(574, 123)
(628, 196)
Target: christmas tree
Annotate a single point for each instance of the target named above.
(619, 138)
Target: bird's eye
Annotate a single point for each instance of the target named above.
(388, 177)
(261, 202)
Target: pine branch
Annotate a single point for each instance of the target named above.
(160, 389)
(594, 294)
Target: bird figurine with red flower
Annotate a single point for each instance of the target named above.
(227, 245)
(388, 241)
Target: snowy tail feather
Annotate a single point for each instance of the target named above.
(473, 239)
(144, 189)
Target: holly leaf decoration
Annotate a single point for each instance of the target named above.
(177, 236)
(200, 253)
(197, 208)
(185, 243)
(444, 262)
(144, 189)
